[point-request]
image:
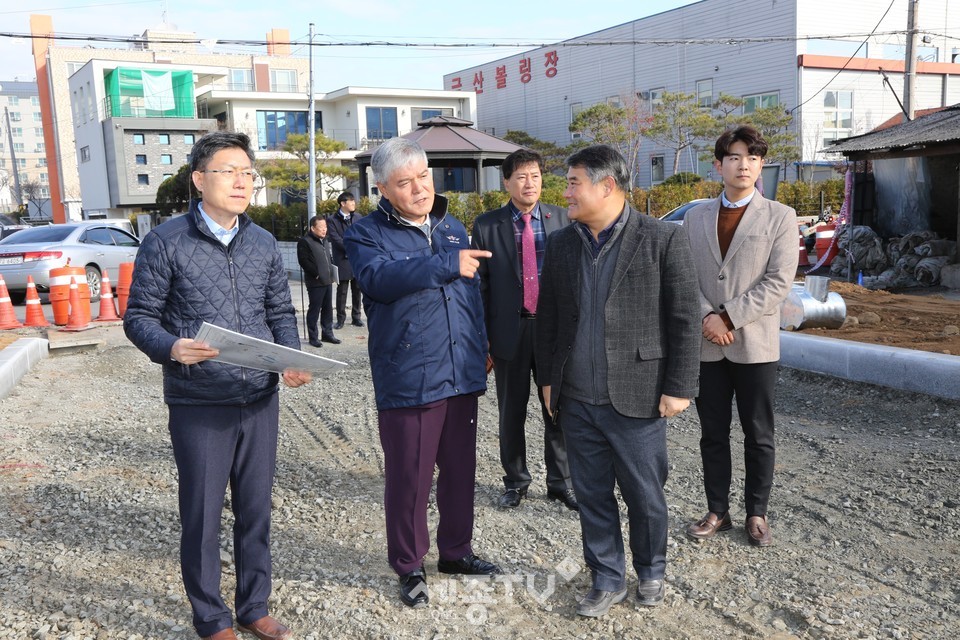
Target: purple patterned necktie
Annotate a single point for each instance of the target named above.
(531, 282)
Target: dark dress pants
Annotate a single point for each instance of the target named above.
(753, 385)
(320, 307)
(607, 448)
(355, 303)
(513, 396)
(213, 446)
(441, 434)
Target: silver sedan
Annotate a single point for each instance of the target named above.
(34, 252)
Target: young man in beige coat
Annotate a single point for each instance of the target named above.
(745, 249)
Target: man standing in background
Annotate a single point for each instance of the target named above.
(516, 234)
(337, 224)
(313, 254)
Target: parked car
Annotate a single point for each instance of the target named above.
(676, 215)
(34, 251)
(10, 229)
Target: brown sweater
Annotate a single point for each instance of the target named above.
(727, 223)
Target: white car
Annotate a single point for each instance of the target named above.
(676, 215)
(35, 251)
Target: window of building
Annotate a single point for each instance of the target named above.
(656, 169)
(167, 175)
(575, 108)
(138, 138)
(18, 147)
(760, 101)
(188, 138)
(613, 101)
(166, 158)
(38, 131)
(143, 179)
(14, 116)
(43, 177)
(22, 163)
(382, 123)
(273, 127)
(705, 93)
(1, 145)
(41, 162)
(241, 80)
(656, 97)
(39, 148)
(163, 138)
(84, 154)
(141, 158)
(73, 67)
(3, 163)
(37, 116)
(837, 115)
(419, 114)
(13, 100)
(283, 80)
(35, 101)
(44, 192)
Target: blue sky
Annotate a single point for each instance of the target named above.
(500, 21)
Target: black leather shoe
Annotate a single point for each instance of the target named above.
(339, 325)
(316, 343)
(650, 592)
(511, 498)
(567, 497)
(413, 589)
(331, 339)
(597, 602)
(469, 565)
(357, 323)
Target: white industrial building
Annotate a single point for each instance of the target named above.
(824, 61)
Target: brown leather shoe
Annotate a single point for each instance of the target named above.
(758, 531)
(707, 526)
(267, 628)
(223, 634)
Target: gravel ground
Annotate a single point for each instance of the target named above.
(865, 515)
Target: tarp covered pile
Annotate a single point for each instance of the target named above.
(910, 261)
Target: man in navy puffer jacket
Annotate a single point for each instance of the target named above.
(215, 265)
(428, 349)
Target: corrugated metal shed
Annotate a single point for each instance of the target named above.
(932, 134)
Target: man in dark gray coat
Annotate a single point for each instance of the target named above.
(618, 342)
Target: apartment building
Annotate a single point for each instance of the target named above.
(24, 178)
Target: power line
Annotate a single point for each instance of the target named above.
(578, 42)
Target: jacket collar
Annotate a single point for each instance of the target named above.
(437, 213)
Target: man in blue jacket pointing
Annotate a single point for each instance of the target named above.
(428, 348)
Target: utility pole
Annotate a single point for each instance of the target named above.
(311, 124)
(910, 64)
(18, 192)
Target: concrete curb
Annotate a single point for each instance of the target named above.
(16, 360)
(935, 374)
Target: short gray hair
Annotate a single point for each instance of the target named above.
(601, 161)
(394, 154)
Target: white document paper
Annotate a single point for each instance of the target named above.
(244, 351)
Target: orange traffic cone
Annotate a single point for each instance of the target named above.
(34, 316)
(8, 318)
(108, 313)
(79, 318)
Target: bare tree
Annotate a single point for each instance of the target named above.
(32, 192)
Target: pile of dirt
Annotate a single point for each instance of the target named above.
(921, 322)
